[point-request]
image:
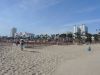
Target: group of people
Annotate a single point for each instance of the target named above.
(21, 43)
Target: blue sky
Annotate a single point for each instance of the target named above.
(48, 16)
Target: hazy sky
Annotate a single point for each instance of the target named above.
(48, 16)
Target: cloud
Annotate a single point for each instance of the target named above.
(27, 5)
(87, 9)
(69, 27)
(82, 22)
(37, 4)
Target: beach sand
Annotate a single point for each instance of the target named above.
(50, 60)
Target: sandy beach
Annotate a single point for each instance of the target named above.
(50, 60)
(88, 65)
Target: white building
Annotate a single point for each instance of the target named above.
(13, 32)
(75, 29)
(24, 35)
(82, 29)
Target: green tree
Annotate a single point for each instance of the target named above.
(96, 38)
(62, 35)
(89, 37)
(78, 37)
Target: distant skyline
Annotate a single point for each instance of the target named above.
(48, 16)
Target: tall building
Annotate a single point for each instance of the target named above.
(13, 32)
(76, 29)
(82, 29)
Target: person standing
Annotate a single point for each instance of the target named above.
(22, 44)
(17, 42)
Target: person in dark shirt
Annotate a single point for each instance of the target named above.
(17, 43)
(22, 44)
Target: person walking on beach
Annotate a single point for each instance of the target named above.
(17, 43)
(22, 44)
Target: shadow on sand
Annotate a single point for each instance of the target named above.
(30, 51)
(37, 47)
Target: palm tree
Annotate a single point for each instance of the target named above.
(53, 36)
(46, 38)
(70, 37)
(89, 38)
(62, 38)
(37, 39)
(78, 37)
(96, 38)
(62, 35)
